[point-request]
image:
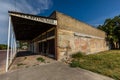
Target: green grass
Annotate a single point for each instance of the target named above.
(77, 55)
(40, 59)
(106, 63)
(20, 64)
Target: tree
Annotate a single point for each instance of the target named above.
(3, 46)
(112, 29)
(117, 34)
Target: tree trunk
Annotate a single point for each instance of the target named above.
(119, 43)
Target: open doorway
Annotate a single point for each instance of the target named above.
(47, 44)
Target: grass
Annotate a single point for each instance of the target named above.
(40, 59)
(25, 58)
(77, 55)
(20, 64)
(106, 63)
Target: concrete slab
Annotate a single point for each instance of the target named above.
(53, 71)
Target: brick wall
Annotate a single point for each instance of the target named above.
(71, 24)
(90, 40)
(68, 43)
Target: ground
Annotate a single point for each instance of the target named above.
(105, 63)
(52, 71)
(2, 60)
(29, 61)
(34, 67)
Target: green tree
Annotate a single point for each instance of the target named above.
(116, 30)
(112, 29)
(3, 46)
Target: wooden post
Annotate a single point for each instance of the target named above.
(56, 43)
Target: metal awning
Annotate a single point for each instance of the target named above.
(27, 26)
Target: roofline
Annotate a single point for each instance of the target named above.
(47, 20)
(55, 11)
(15, 12)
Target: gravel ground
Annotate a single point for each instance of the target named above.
(29, 61)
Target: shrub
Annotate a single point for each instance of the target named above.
(40, 59)
(3, 46)
(74, 63)
(20, 64)
(77, 55)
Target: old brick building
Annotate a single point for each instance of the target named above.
(58, 35)
(74, 36)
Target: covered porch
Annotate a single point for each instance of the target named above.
(39, 32)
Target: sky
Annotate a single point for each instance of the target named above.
(92, 12)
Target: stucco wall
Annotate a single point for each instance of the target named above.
(71, 24)
(68, 43)
(74, 36)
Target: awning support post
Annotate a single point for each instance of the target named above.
(8, 45)
(11, 53)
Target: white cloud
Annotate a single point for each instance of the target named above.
(25, 6)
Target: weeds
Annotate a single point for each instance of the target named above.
(106, 63)
(40, 59)
(20, 64)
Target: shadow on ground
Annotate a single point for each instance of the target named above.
(53, 71)
(25, 59)
(25, 53)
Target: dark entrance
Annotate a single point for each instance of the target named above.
(51, 47)
(43, 47)
(47, 48)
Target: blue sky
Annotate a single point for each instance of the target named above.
(92, 12)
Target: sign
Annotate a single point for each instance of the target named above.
(35, 18)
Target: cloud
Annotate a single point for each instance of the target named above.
(25, 6)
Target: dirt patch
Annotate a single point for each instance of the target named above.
(29, 61)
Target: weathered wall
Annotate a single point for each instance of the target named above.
(90, 40)
(71, 24)
(69, 43)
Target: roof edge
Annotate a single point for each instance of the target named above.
(16, 12)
